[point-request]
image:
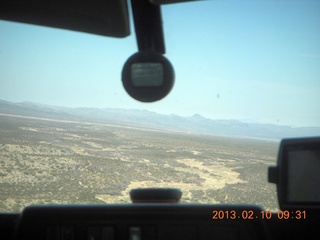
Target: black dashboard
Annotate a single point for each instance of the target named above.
(155, 222)
(141, 221)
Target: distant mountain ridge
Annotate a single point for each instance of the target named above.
(147, 119)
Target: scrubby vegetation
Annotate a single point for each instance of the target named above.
(43, 161)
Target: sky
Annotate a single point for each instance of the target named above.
(256, 61)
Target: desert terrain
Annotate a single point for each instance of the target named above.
(44, 161)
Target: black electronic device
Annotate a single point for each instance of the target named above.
(297, 173)
(148, 76)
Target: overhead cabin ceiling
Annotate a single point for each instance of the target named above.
(102, 17)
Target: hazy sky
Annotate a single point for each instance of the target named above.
(246, 60)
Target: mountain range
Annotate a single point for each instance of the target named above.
(151, 120)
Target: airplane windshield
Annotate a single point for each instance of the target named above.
(246, 75)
